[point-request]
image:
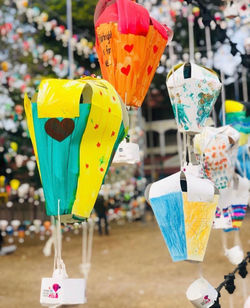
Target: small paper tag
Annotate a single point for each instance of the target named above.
(62, 291)
(127, 153)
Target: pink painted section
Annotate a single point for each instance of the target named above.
(133, 18)
(130, 16)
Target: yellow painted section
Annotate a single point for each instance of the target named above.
(198, 222)
(59, 98)
(97, 144)
(233, 106)
(243, 139)
(29, 118)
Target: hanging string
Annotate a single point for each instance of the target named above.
(189, 149)
(223, 98)
(90, 240)
(59, 238)
(223, 236)
(231, 303)
(184, 148)
(84, 243)
(87, 242)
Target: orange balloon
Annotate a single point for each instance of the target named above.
(47, 224)
(21, 234)
(129, 44)
(5, 66)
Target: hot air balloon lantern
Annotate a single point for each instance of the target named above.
(217, 149)
(238, 201)
(184, 206)
(129, 44)
(75, 127)
(193, 91)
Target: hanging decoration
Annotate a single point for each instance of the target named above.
(127, 153)
(129, 44)
(184, 206)
(95, 117)
(239, 198)
(193, 91)
(217, 148)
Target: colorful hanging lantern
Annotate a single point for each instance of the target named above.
(193, 91)
(223, 215)
(217, 148)
(184, 206)
(75, 127)
(129, 44)
(236, 116)
(239, 201)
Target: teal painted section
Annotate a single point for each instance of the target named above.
(59, 161)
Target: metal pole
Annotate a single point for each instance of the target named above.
(209, 47)
(70, 49)
(210, 63)
(236, 89)
(191, 34)
(244, 84)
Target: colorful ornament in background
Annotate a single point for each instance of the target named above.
(193, 91)
(2, 180)
(236, 116)
(129, 44)
(5, 66)
(243, 161)
(217, 149)
(14, 146)
(238, 201)
(14, 184)
(74, 142)
(184, 206)
(79, 44)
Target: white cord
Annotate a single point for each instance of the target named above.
(87, 242)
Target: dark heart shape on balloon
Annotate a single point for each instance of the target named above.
(59, 130)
